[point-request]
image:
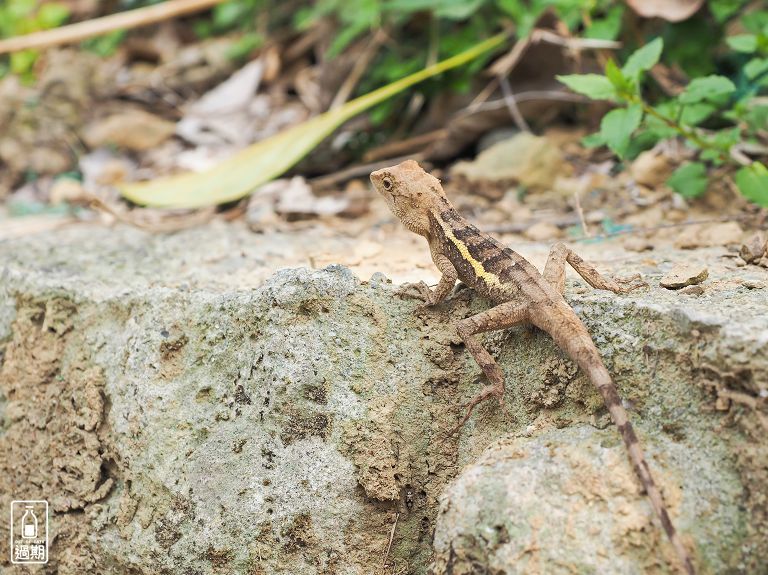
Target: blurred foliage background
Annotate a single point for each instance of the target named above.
(705, 82)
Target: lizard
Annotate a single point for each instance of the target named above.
(520, 294)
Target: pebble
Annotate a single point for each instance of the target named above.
(683, 275)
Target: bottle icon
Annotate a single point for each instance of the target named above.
(29, 524)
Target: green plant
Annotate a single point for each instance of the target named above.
(24, 17)
(733, 115)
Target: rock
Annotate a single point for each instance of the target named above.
(650, 169)
(705, 235)
(67, 190)
(638, 244)
(186, 409)
(692, 290)
(684, 275)
(131, 129)
(541, 231)
(529, 160)
(754, 248)
(567, 497)
(103, 168)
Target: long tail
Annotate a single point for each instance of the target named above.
(580, 347)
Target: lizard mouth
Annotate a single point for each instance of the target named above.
(376, 178)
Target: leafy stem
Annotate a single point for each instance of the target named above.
(689, 134)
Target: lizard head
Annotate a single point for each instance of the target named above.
(411, 194)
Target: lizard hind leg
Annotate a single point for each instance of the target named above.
(554, 272)
(502, 316)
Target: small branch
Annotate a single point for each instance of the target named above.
(569, 221)
(580, 212)
(99, 26)
(402, 147)
(391, 538)
(504, 65)
(520, 97)
(511, 102)
(358, 69)
(661, 227)
(360, 170)
(574, 43)
(165, 225)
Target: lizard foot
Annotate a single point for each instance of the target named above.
(487, 392)
(415, 290)
(630, 283)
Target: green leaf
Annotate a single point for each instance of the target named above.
(706, 88)
(755, 21)
(593, 140)
(449, 9)
(51, 15)
(746, 43)
(22, 61)
(617, 127)
(105, 45)
(263, 161)
(756, 67)
(695, 114)
(643, 59)
(752, 182)
(457, 9)
(593, 86)
(722, 10)
(615, 76)
(689, 180)
(607, 27)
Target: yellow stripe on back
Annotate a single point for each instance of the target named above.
(480, 271)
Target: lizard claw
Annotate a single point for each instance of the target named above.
(487, 392)
(417, 291)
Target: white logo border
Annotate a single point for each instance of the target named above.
(24, 501)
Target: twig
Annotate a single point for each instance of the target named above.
(511, 102)
(565, 222)
(504, 65)
(391, 538)
(662, 227)
(358, 69)
(550, 37)
(520, 97)
(97, 27)
(400, 147)
(359, 170)
(182, 222)
(580, 212)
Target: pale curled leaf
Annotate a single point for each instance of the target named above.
(670, 10)
(263, 161)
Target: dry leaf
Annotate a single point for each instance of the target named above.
(238, 176)
(670, 10)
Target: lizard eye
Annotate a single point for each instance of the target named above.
(387, 183)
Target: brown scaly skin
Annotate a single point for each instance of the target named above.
(520, 294)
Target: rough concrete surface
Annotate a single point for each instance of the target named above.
(186, 409)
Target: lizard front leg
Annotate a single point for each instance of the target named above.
(554, 272)
(502, 316)
(444, 286)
